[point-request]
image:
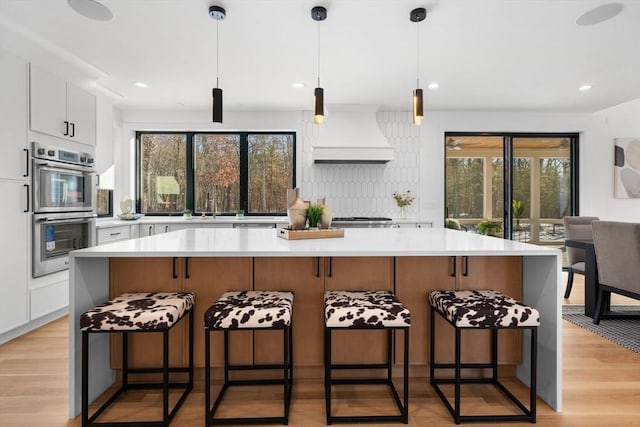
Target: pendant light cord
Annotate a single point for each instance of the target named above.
(318, 53)
(418, 54)
(217, 52)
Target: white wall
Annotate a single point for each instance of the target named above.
(596, 177)
(366, 189)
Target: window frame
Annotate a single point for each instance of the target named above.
(508, 155)
(190, 169)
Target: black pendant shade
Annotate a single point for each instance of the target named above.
(417, 107)
(216, 105)
(217, 14)
(318, 106)
(318, 14)
(418, 15)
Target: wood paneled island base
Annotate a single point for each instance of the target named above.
(408, 262)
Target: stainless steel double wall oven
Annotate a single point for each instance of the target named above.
(63, 204)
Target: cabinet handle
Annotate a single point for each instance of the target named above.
(465, 266)
(330, 266)
(186, 269)
(73, 130)
(150, 228)
(26, 150)
(66, 128)
(175, 275)
(115, 234)
(166, 228)
(28, 197)
(453, 267)
(317, 266)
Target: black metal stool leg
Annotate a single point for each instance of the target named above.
(432, 349)
(125, 359)
(456, 404)
(327, 373)
(533, 380)
(165, 377)
(406, 377)
(207, 376)
(85, 378)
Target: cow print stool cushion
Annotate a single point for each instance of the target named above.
(364, 309)
(483, 309)
(138, 312)
(250, 309)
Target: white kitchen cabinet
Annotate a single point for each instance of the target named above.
(113, 234)
(61, 109)
(14, 255)
(14, 156)
(166, 228)
(412, 224)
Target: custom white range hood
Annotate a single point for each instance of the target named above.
(350, 134)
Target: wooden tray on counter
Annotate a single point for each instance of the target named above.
(287, 233)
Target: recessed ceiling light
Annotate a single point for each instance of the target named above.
(584, 88)
(433, 85)
(91, 9)
(297, 85)
(600, 14)
(142, 85)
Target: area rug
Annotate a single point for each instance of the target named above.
(624, 332)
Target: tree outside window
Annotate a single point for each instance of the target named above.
(222, 171)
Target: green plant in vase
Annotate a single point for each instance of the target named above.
(314, 213)
(403, 200)
(517, 209)
(187, 213)
(488, 227)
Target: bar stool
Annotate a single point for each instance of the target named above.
(366, 310)
(486, 309)
(249, 310)
(155, 312)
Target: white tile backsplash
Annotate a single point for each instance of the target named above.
(365, 190)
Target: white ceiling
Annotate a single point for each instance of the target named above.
(487, 55)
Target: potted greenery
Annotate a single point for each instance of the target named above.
(314, 213)
(187, 213)
(517, 209)
(488, 227)
(403, 200)
(240, 213)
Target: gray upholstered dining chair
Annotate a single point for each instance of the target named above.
(617, 247)
(576, 228)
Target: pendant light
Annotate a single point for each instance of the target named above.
(418, 15)
(318, 14)
(217, 13)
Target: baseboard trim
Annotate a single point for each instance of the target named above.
(34, 324)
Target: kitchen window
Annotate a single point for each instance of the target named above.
(223, 171)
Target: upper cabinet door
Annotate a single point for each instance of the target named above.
(13, 110)
(81, 114)
(61, 109)
(48, 108)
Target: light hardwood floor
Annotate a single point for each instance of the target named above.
(601, 388)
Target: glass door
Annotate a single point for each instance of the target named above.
(541, 188)
(475, 183)
(527, 179)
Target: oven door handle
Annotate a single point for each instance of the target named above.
(66, 220)
(58, 166)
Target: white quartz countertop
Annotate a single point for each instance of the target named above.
(227, 242)
(115, 222)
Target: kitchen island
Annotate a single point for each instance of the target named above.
(409, 262)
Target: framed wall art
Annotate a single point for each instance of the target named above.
(627, 168)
